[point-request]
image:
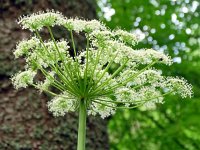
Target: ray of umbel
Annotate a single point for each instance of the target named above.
(86, 82)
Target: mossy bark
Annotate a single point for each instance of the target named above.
(25, 122)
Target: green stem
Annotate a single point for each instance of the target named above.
(82, 125)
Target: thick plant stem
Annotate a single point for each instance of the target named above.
(82, 125)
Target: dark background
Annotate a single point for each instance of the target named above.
(25, 122)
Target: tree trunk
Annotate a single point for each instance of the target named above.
(25, 122)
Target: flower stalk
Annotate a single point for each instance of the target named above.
(82, 125)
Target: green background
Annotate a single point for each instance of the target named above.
(172, 27)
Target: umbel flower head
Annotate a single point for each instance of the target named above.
(107, 75)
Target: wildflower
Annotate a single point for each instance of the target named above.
(107, 75)
(89, 74)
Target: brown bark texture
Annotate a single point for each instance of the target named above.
(25, 123)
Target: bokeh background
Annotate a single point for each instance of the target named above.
(170, 26)
(173, 27)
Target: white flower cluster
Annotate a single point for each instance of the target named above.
(149, 76)
(127, 37)
(35, 52)
(179, 86)
(38, 20)
(62, 104)
(23, 79)
(79, 25)
(110, 46)
(102, 109)
(107, 75)
(24, 46)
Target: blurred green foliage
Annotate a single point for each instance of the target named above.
(174, 28)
